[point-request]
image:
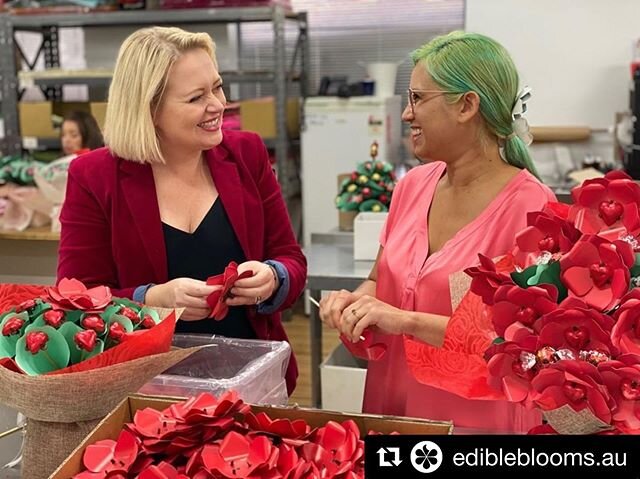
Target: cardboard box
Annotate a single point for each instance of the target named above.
(110, 426)
(343, 378)
(366, 233)
(259, 115)
(345, 218)
(99, 112)
(36, 117)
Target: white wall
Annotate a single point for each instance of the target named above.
(102, 44)
(575, 54)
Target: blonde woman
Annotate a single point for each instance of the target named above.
(172, 200)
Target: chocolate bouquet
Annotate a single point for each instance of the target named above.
(565, 309)
(69, 325)
(209, 437)
(69, 355)
(22, 204)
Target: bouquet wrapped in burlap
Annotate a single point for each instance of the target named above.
(63, 406)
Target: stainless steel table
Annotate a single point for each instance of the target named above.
(330, 267)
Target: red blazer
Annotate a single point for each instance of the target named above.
(112, 232)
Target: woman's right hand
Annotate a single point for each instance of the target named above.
(187, 293)
(332, 306)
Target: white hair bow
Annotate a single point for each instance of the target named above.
(519, 123)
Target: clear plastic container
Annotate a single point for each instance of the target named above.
(254, 368)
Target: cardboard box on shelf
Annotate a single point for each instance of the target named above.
(345, 218)
(343, 378)
(110, 427)
(259, 115)
(36, 117)
(99, 112)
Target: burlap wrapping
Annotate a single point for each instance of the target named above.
(62, 409)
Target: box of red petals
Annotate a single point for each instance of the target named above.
(130, 435)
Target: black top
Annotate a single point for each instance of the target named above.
(203, 253)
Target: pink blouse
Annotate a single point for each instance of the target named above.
(410, 279)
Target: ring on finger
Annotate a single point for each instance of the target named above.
(258, 299)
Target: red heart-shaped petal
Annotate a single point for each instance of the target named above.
(610, 211)
(126, 449)
(100, 296)
(365, 348)
(67, 287)
(12, 326)
(259, 451)
(53, 317)
(234, 447)
(287, 459)
(216, 300)
(153, 424)
(36, 341)
(163, 470)
(333, 436)
(98, 456)
(317, 454)
(86, 340)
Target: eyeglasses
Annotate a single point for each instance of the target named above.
(415, 98)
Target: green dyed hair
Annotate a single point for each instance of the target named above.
(460, 62)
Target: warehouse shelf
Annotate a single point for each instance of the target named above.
(284, 70)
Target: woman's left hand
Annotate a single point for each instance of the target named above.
(369, 312)
(257, 288)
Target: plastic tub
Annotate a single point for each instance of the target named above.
(254, 368)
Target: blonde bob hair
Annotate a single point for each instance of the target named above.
(139, 80)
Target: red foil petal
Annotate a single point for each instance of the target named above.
(86, 339)
(54, 317)
(36, 340)
(94, 322)
(12, 326)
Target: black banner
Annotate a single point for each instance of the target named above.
(502, 456)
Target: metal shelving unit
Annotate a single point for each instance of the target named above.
(53, 78)
(49, 24)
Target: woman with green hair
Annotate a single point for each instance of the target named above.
(471, 195)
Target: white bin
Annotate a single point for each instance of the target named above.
(366, 234)
(343, 378)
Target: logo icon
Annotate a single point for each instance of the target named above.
(426, 456)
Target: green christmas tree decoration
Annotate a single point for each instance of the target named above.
(369, 187)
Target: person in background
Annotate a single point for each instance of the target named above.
(171, 201)
(464, 111)
(80, 133)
